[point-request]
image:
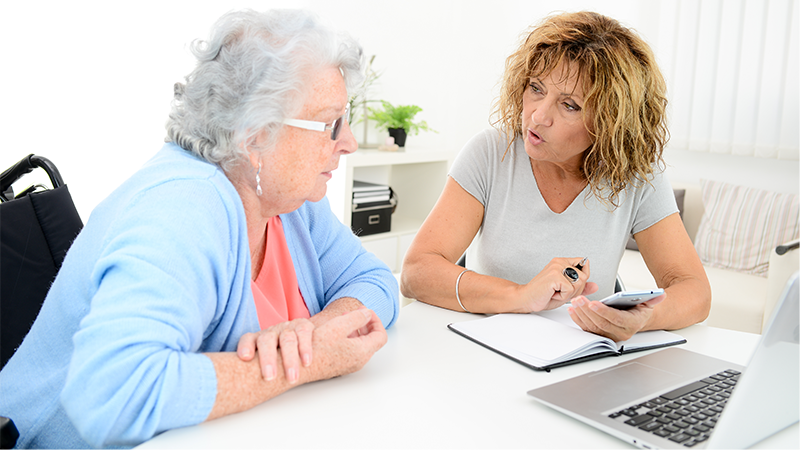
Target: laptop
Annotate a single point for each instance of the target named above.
(675, 398)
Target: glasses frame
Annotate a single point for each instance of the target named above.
(335, 126)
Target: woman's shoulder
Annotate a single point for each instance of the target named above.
(654, 192)
(173, 166)
(656, 180)
(489, 139)
(173, 162)
(485, 146)
(174, 182)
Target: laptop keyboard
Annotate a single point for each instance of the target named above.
(686, 415)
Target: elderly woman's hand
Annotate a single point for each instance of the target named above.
(294, 340)
(617, 324)
(345, 343)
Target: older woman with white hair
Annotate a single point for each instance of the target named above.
(216, 277)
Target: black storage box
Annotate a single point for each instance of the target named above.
(372, 219)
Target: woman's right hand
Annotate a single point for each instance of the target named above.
(551, 288)
(345, 343)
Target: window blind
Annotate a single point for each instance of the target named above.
(732, 75)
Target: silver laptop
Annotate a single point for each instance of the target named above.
(675, 398)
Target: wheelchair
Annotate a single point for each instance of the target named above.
(37, 227)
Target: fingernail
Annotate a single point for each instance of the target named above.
(245, 353)
(270, 371)
(306, 360)
(594, 306)
(291, 374)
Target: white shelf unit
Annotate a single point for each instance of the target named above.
(416, 175)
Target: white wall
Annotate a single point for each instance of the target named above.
(88, 84)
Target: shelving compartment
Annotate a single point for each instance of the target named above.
(416, 176)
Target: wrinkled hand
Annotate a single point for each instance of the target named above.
(344, 344)
(367, 328)
(617, 324)
(293, 338)
(550, 288)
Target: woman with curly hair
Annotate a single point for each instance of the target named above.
(551, 196)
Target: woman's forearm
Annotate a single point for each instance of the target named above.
(432, 279)
(240, 385)
(688, 302)
(338, 350)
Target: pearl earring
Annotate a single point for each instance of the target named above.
(258, 181)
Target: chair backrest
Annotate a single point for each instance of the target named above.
(36, 230)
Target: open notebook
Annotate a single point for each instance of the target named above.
(550, 339)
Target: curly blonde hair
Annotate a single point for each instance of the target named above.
(625, 95)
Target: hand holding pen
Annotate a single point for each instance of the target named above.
(572, 274)
(549, 289)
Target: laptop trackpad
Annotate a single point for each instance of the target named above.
(624, 383)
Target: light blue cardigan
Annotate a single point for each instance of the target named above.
(159, 275)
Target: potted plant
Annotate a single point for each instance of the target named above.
(398, 120)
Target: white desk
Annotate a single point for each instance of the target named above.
(430, 388)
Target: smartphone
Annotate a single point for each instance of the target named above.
(629, 299)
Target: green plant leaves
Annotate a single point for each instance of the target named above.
(401, 116)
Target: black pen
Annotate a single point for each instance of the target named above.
(579, 266)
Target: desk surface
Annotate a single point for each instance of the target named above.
(430, 388)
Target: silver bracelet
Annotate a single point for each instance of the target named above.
(458, 280)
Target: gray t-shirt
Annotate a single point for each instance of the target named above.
(520, 234)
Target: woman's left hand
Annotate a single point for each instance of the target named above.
(616, 324)
(293, 338)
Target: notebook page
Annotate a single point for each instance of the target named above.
(531, 337)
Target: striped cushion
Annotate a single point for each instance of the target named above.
(741, 226)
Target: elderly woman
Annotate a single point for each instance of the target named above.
(224, 239)
(571, 173)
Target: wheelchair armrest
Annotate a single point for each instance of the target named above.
(8, 433)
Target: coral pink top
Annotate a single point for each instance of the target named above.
(275, 290)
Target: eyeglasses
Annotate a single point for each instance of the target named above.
(335, 127)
